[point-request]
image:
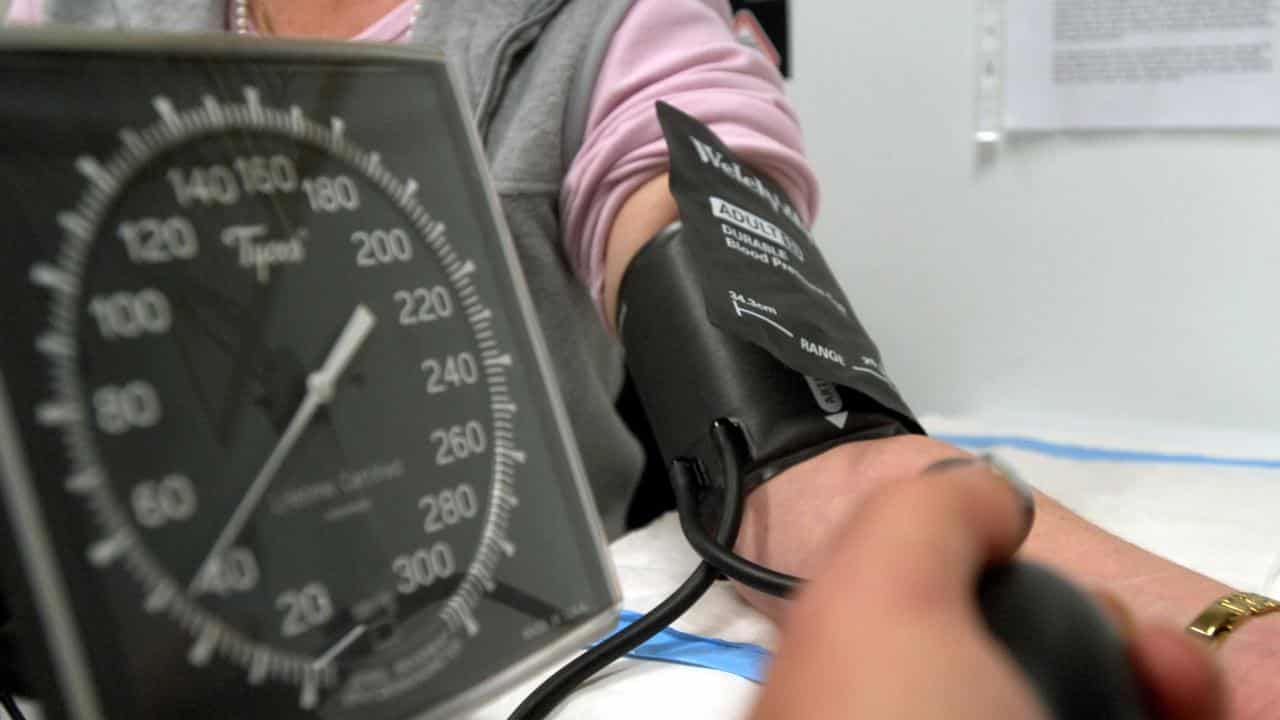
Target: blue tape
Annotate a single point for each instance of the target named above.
(1096, 454)
(672, 646)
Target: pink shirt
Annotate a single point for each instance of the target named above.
(680, 51)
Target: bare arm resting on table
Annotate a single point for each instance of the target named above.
(796, 520)
(928, 537)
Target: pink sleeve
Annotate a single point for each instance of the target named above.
(680, 51)
(25, 12)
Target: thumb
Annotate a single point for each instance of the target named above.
(930, 536)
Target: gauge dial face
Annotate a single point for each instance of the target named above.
(288, 405)
(316, 374)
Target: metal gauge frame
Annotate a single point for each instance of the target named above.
(27, 518)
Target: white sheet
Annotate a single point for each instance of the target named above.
(1213, 507)
(1217, 519)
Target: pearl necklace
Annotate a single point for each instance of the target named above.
(240, 17)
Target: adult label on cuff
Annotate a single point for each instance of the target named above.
(763, 279)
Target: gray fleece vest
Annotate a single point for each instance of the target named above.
(528, 67)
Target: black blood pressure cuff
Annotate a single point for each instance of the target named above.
(733, 314)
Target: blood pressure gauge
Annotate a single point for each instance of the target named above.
(279, 438)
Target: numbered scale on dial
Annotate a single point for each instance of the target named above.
(278, 434)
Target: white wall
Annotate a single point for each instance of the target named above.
(1129, 277)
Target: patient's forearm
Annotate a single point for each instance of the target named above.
(1161, 591)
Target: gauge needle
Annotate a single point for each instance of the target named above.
(320, 390)
(353, 635)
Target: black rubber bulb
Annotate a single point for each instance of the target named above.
(1073, 654)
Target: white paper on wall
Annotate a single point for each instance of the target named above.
(1097, 64)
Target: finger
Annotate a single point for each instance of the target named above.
(1182, 679)
(929, 537)
(890, 624)
(1118, 613)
